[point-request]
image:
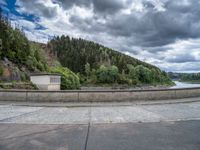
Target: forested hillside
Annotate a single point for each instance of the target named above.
(16, 48)
(185, 77)
(19, 58)
(98, 64)
(92, 63)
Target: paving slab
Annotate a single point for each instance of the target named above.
(95, 115)
(183, 135)
(42, 137)
(176, 111)
(179, 135)
(9, 111)
(53, 116)
(122, 115)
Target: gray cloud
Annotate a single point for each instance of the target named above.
(67, 4)
(107, 6)
(181, 58)
(100, 6)
(151, 28)
(147, 29)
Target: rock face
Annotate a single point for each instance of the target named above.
(11, 72)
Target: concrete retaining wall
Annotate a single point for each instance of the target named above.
(97, 96)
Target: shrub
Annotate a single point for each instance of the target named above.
(107, 74)
(40, 66)
(69, 80)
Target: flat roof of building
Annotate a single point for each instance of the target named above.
(44, 74)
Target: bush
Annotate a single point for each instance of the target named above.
(30, 63)
(69, 80)
(40, 66)
(107, 74)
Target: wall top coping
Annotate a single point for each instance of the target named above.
(45, 74)
(99, 91)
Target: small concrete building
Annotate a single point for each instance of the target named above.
(46, 81)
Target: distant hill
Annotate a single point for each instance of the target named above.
(185, 77)
(77, 54)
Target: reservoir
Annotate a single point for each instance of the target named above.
(184, 85)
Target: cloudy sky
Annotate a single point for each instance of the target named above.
(165, 33)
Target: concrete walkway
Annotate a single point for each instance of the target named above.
(160, 126)
(181, 135)
(95, 115)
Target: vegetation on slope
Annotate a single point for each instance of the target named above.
(69, 80)
(17, 49)
(19, 57)
(98, 64)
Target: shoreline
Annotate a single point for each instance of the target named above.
(142, 87)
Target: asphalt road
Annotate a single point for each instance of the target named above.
(141, 127)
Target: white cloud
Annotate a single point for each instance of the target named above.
(158, 5)
(56, 21)
(183, 55)
(81, 12)
(136, 5)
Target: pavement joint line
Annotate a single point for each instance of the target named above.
(87, 137)
(88, 129)
(24, 114)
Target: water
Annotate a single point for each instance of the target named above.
(184, 85)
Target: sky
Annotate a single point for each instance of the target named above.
(165, 33)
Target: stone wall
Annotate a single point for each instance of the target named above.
(97, 96)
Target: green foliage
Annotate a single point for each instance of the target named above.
(143, 74)
(37, 58)
(93, 77)
(107, 74)
(87, 69)
(18, 85)
(40, 66)
(75, 53)
(185, 77)
(17, 48)
(1, 70)
(15, 45)
(123, 79)
(69, 80)
(108, 66)
(37, 55)
(132, 74)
